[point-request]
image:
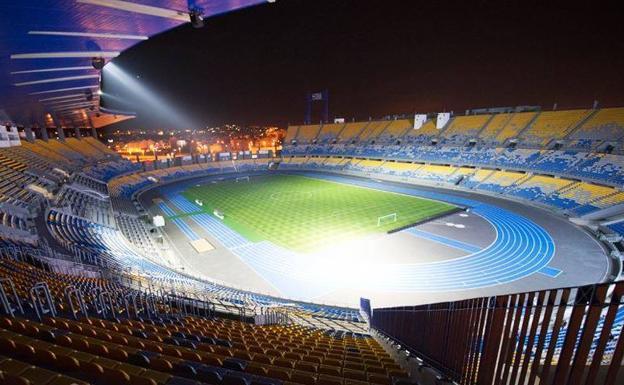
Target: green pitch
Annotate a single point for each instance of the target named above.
(303, 213)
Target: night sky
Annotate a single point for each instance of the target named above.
(377, 58)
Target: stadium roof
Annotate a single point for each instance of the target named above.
(46, 49)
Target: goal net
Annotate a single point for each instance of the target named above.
(242, 179)
(384, 220)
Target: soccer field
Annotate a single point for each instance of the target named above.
(303, 214)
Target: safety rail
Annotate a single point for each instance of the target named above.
(558, 336)
(42, 301)
(73, 292)
(8, 307)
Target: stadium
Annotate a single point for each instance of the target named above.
(481, 247)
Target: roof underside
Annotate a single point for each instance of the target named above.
(47, 46)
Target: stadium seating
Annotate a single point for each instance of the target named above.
(604, 125)
(494, 126)
(553, 125)
(214, 351)
(291, 134)
(307, 134)
(168, 345)
(79, 181)
(618, 228)
(602, 168)
(462, 128)
(435, 173)
(422, 135)
(579, 194)
(351, 131)
(514, 125)
(394, 131)
(329, 132)
(485, 141)
(539, 187)
(501, 181)
(372, 131)
(400, 168)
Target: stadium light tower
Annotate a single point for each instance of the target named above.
(197, 20)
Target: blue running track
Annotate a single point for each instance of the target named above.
(521, 248)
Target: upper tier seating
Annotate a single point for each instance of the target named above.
(329, 132)
(553, 125)
(308, 133)
(422, 135)
(395, 130)
(291, 134)
(351, 131)
(527, 129)
(606, 124)
(561, 193)
(100, 146)
(372, 131)
(514, 125)
(85, 149)
(85, 204)
(48, 152)
(107, 171)
(462, 128)
(494, 126)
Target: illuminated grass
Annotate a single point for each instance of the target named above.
(304, 214)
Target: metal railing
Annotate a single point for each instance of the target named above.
(560, 336)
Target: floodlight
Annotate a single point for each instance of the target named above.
(197, 21)
(98, 62)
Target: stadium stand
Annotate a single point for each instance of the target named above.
(329, 132)
(502, 181)
(539, 186)
(604, 125)
(489, 133)
(291, 134)
(306, 134)
(372, 131)
(395, 130)
(422, 135)
(351, 131)
(89, 196)
(464, 127)
(553, 125)
(531, 151)
(516, 123)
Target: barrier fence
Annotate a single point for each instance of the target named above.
(567, 336)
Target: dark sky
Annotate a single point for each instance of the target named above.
(378, 58)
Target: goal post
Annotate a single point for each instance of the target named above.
(242, 179)
(386, 219)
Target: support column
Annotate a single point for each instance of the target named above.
(59, 128)
(94, 132)
(60, 132)
(44, 133)
(29, 133)
(77, 132)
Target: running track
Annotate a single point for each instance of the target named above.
(521, 248)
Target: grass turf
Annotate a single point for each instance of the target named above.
(303, 213)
